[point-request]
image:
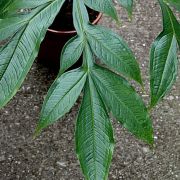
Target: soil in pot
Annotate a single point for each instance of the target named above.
(58, 34)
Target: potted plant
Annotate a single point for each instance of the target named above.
(105, 85)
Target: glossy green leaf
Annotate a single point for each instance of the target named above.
(19, 60)
(163, 67)
(105, 6)
(163, 57)
(71, 52)
(94, 135)
(113, 51)
(125, 104)
(5, 54)
(128, 4)
(61, 97)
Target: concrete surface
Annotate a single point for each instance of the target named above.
(52, 156)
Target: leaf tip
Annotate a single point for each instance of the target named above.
(37, 132)
(130, 16)
(118, 22)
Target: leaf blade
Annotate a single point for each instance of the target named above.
(124, 103)
(71, 52)
(11, 8)
(94, 135)
(164, 63)
(61, 97)
(163, 57)
(113, 51)
(80, 16)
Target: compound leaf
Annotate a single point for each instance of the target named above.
(125, 104)
(61, 97)
(94, 135)
(17, 62)
(113, 51)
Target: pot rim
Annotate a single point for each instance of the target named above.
(74, 31)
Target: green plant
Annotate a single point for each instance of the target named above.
(104, 90)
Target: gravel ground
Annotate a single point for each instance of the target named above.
(51, 156)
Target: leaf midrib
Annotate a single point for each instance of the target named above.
(93, 122)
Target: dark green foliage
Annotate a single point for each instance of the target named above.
(105, 89)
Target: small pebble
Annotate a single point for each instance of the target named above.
(62, 164)
(171, 98)
(145, 149)
(2, 158)
(155, 137)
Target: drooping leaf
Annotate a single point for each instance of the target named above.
(175, 3)
(23, 53)
(163, 66)
(105, 6)
(163, 57)
(71, 52)
(61, 97)
(125, 104)
(128, 4)
(94, 135)
(113, 51)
